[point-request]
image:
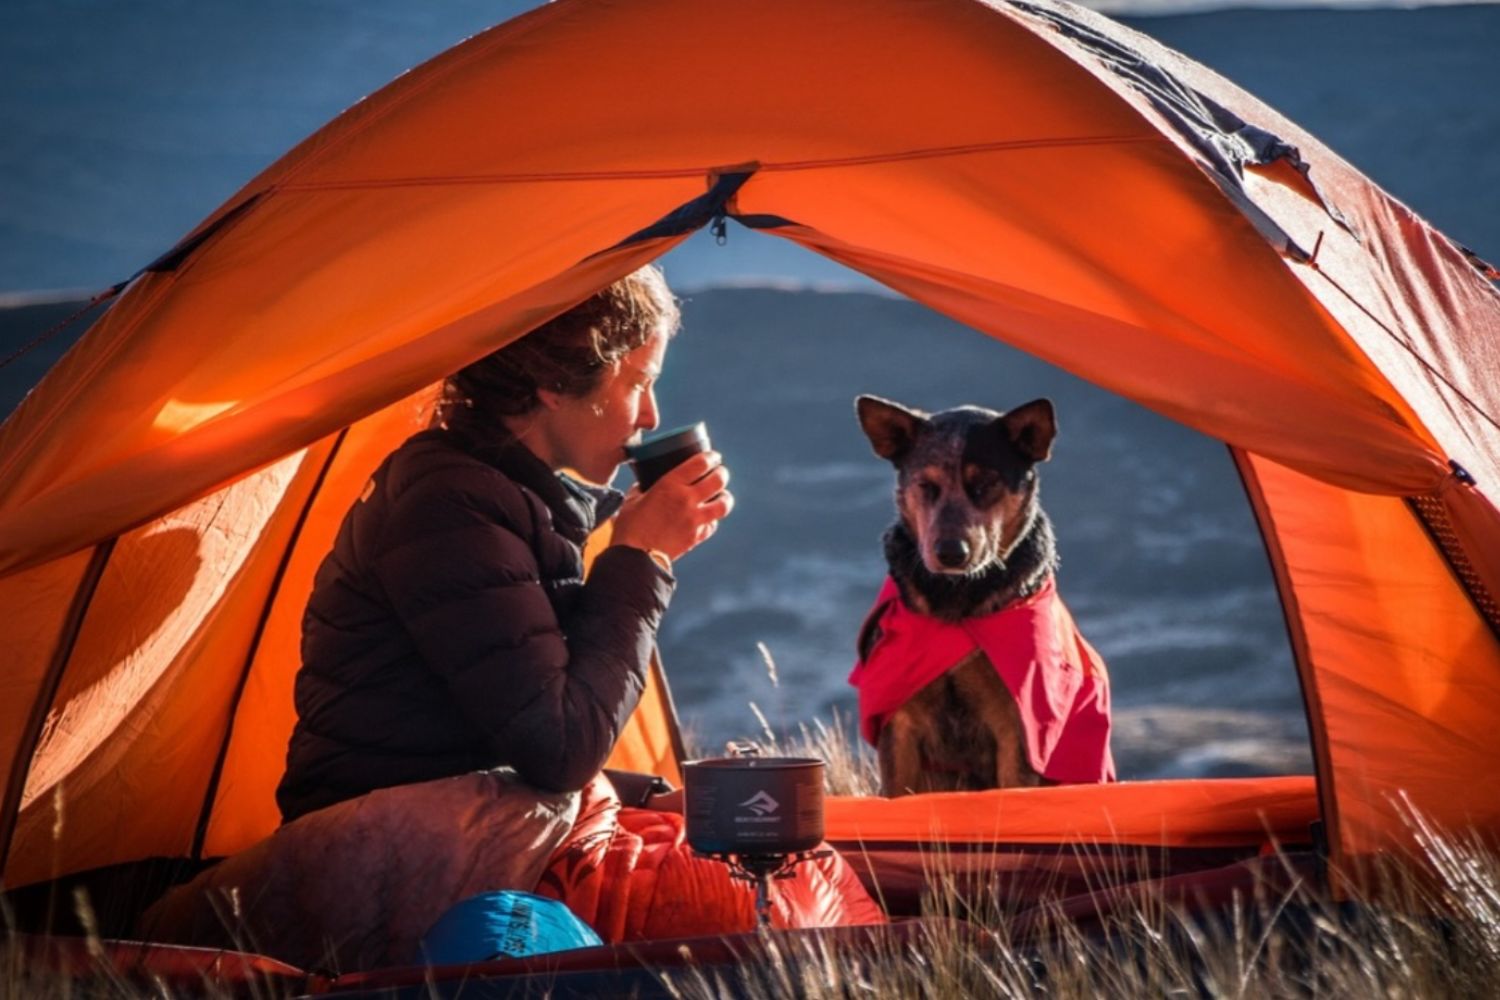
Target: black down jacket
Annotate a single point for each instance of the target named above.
(450, 630)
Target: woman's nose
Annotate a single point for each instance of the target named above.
(648, 419)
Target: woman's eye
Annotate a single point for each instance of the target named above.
(929, 491)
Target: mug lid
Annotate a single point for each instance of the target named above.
(693, 436)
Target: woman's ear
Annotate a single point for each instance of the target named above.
(550, 400)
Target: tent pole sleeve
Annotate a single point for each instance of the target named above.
(1297, 636)
(206, 813)
(173, 258)
(20, 769)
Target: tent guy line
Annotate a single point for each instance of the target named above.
(60, 325)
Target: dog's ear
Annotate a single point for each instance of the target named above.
(890, 426)
(1031, 428)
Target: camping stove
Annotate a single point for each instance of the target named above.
(760, 816)
(761, 870)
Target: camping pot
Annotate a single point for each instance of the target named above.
(659, 454)
(754, 805)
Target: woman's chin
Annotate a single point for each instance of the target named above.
(598, 477)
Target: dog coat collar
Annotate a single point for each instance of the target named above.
(1055, 676)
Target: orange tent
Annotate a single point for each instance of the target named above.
(1031, 169)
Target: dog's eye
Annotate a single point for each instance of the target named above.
(930, 491)
(981, 485)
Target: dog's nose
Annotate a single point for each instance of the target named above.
(952, 552)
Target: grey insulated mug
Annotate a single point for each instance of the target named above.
(660, 453)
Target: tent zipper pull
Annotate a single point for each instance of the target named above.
(720, 228)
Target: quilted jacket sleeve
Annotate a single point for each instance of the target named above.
(456, 560)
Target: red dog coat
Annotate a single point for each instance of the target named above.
(1055, 676)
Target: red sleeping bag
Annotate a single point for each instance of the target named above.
(630, 875)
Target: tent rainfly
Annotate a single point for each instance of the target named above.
(1029, 168)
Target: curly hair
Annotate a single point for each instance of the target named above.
(569, 354)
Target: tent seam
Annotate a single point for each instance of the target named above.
(1312, 703)
(1405, 345)
(481, 46)
(72, 627)
(935, 152)
(200, 833)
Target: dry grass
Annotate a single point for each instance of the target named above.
(1431, 937)
(852, 768)
(1435, 937)
(1441, 941)
(1294, 944)
(851, 765)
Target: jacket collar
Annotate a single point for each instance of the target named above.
(577, 507)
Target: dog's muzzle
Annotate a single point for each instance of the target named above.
(952, 553)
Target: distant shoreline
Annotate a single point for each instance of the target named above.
(45, 297)
(1176, 8)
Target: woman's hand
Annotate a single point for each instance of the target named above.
(680, 510)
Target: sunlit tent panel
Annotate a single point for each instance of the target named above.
(245, 787)
(137, 711)
(1393, 641)
(1035, 171)
(41, 601)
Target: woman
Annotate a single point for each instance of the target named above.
(450, 632)
(450, 629)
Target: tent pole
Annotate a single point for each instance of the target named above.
(674, 724)
(200, 834)
(51, 680)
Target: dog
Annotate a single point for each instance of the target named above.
(971, 673)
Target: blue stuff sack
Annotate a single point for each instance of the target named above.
(505, 924)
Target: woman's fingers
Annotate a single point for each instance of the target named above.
(718, 507)
(694, 468)
(680, 510)
(710, 513)
(712, 483)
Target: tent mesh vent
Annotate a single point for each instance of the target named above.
(1429, 510)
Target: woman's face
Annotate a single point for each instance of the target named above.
(591, 431)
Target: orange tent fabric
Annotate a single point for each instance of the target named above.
(1039, 172)
(1212, 812)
